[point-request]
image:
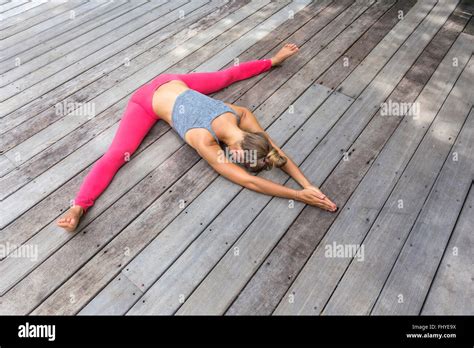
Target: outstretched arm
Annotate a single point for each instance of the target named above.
(249, 123)
(214, 155)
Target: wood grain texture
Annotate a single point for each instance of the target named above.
(419, 258)
(207, 298)
(85, 18)
(29, 17)
(320, 275)
(390, 229)
(266, 288)
(450, 292)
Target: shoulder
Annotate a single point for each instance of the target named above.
(202, 141)
(240, 110)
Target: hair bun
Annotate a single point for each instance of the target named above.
(274, 159)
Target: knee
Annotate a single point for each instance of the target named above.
(117, 157)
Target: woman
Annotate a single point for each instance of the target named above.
(181, 101)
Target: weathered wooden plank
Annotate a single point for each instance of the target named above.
(451, 290)
(12, 181)
(85, 19)
(284, 33)
(385, 238)
(17, 38)
(321, 274)
(470, 27)
(19, 9)
(247, 215)
(121, 290)
(28, 18)
(102, 76)
(331, 38)
(416, 266)
(266, 288)
(6, 164)
(269, 226)
(114, 35)
(11, 4)
(467, 7)
(366, 71)
(247, 40)
(323, 60)
(356, 53)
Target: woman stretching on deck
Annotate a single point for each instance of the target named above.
(204, 123)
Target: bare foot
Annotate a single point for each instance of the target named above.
(284, 53)
(71, 218)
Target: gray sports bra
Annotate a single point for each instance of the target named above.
(196, 110)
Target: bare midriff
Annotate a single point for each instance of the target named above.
(165, 97)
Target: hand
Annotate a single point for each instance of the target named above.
(313, 196)
(317, 190)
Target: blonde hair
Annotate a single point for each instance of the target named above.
(265, 156)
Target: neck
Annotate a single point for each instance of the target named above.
(232, 136)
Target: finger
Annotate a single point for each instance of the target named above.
(321, 203)
(328, 205)
(321, 195)
(328, 201)
(333, 206)
(324, 207)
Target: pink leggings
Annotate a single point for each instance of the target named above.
(139, 118)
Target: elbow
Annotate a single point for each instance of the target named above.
(246, 110)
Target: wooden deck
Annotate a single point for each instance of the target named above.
(170, 236)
